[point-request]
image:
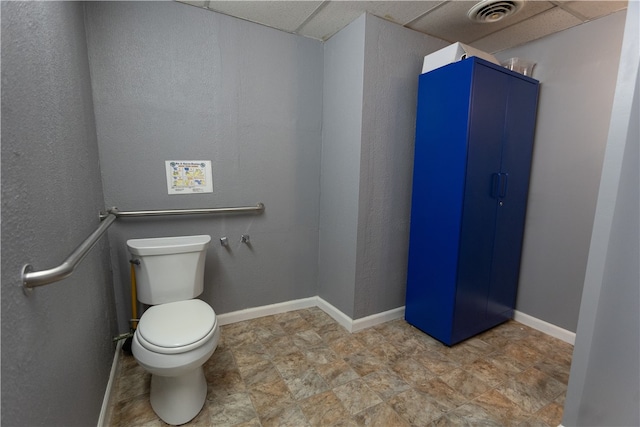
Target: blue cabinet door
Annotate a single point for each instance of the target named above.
(438, 194)
(519, 128)
(487, 108)
(474, 133)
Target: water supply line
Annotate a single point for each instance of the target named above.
(134, 309)
(134, 295)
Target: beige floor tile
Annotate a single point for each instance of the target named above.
(386, 383)
(337, 373)
(293, 324)
(531, 390)
(231, 410)
(551, 414)
(224, 383)
(413, 372)
(487, 371)
(356, 396)
(302, 368)
(292, 364)
(466, 382)
(470, 415)
(268, 396)
(503, 409)
(446, 396)
(134, 412)
(534, 422)
(287, 416)
(347, 345)
(437, 362)
(307, 339)
(324, 409)
(332, 332)
(134, 384)
(269, 331)
(306, 384)
(417, 408)
(320, 355)
(380, 415)
(364, 362)
(280, 346)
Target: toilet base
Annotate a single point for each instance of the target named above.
(177, 400)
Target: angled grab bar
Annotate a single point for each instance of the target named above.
(32, 279)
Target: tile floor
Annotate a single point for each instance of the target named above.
(303, 369)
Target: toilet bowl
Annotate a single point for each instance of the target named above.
(172, 342)
(178, 334)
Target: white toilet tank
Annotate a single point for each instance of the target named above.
(170, 268)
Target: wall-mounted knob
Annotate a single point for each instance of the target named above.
(224, 241)
(245, 238)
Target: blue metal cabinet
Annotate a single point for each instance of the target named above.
(474, 138)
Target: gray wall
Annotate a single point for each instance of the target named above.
(392, 63)
(371, 71)
(604, 386)
(340, 183)
(174, 82)
(56, 343)
(577, 68)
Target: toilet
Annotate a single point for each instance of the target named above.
(178, 333)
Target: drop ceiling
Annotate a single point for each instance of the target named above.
(446, 20)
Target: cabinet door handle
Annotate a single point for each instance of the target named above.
(504, 180)
(495, 185)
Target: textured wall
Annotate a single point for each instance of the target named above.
(340, 182)
(577, 69)
(174, 82)
(370, 88)
(604, 385)
(56, 343)
(393, 62)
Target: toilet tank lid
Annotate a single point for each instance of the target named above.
(177, 324)
(168, 245)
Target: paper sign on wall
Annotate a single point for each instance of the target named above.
(189, 176)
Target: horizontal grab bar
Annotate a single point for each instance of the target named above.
(32, 279)
(120, 214)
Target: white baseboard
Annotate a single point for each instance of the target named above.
(265, 310)
(345, 321)
(104, 419)
(378, 318)
(547, 328)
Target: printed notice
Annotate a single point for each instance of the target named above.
(189, 176)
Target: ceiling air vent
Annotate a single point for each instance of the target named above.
(488, 11)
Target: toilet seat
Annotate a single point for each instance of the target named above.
(176, 327)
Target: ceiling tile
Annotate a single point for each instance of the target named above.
(450, 22)
(400, 12)
(284, 15)
(594, 9)
(193, 3)
(445, 19)
(336, 15)
(546, 23)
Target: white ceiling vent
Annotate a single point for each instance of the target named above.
(488, 11)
